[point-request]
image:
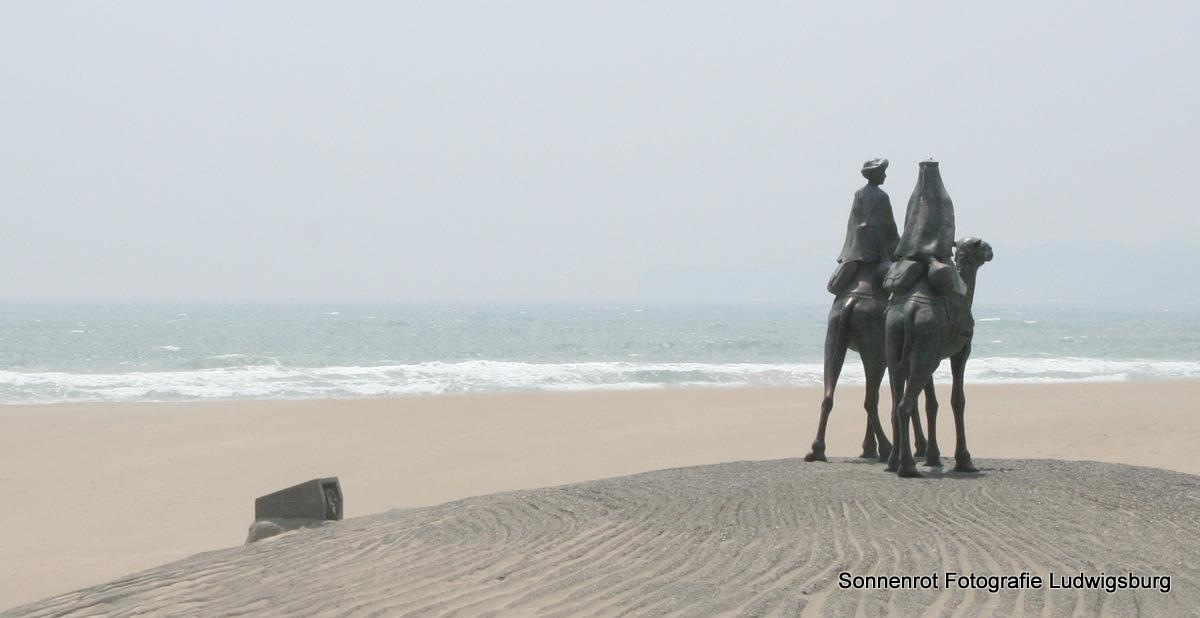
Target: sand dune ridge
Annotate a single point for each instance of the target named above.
(744, 538)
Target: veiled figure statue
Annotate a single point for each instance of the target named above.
(856, 318)
(929, 317)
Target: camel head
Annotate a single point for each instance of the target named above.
(971, 251)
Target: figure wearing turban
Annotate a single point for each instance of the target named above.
(871, 231)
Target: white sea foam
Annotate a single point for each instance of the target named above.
(272, 381)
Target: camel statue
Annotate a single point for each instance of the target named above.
(924, 326)
(856, 322)
(856, 318)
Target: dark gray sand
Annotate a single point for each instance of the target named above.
(744, 538)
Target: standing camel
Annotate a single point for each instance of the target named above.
(857, 316)
(922, 328)
(856, 322)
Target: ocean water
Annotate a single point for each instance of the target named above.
(157, 352)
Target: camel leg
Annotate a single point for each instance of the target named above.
(870, 451)
(918, 376)
(896, 378)
(958, 401)
(919, 440)
(874, 365)
(894, 351)
(835, 356)
(933, 456)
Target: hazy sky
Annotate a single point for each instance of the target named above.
(570, 150)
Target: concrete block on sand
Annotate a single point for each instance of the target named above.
(310, 504)
(319, 499)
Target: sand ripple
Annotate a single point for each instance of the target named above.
(745, 538)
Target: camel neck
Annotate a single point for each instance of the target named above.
(968, 272)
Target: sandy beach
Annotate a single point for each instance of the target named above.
(97, 491)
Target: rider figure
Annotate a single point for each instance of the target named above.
(871, 235)
(871, 231)
(928, 236)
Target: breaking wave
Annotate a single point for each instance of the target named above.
(273, 381)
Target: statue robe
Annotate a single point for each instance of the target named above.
(929, 219)
(871, 231)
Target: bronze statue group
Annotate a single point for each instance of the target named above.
(903, 302)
